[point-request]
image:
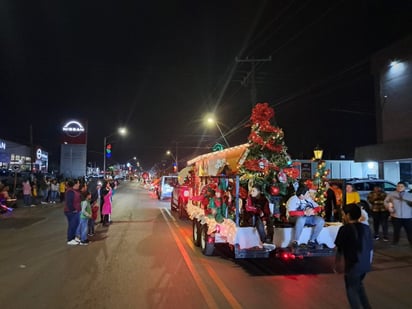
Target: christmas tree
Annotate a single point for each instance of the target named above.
(266, 162)
(319, 180)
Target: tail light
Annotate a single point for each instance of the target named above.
(287, 256)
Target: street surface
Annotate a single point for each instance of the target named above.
(146, 259)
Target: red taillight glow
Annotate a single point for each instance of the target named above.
(287, 256)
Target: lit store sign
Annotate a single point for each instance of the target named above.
(40, 155)
(73, 128)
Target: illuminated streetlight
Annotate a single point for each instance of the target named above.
(211, 120)
(169, 153)
(318, 153)
(120, 131)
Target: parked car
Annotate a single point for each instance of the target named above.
(364, 186)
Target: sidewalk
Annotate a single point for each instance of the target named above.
(23, 216)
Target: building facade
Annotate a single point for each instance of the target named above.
(392, 70)
(22, 158)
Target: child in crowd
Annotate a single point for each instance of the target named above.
(93, 218)
(85, 214)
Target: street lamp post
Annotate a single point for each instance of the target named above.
(169, 153)
(320, 177)
(318, 153)
(121, 131)
(211, 119)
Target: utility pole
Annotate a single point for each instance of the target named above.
(252, 75)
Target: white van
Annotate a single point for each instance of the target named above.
(166, 185)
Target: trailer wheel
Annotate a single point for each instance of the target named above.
(196, 232)
(206, 243)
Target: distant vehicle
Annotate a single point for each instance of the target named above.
(165, 187)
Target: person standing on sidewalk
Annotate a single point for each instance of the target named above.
(85, 215)
(399, 205)
(379, 212)
(72, 210)
(107, 204)
(27, 193)
(62, 189)
(54, 191)
(354, 242)
(44, 190)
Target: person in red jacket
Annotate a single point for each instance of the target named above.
(303, 210)
(93, 218)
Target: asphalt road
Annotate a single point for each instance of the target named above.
(146, 259)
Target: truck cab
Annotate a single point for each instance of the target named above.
(180, 198)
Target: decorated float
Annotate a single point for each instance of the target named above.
(216, 192)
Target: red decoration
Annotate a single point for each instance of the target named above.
(262, 113)
(291, 172)
(274, 190)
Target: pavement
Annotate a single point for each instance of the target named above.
(23, 216)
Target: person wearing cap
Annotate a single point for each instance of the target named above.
(303, 210)
(399, 205)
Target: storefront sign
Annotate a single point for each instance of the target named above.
(74, 132)
(38, 154)
(73, 128)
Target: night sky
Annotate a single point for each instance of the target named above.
(157, 67)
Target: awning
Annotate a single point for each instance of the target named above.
(210, 164)
(389, 151)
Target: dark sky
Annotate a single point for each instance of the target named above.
(157, 67)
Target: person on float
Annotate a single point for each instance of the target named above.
(330, 203)
(303, 210)
(258, 205)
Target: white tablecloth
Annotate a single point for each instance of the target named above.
(284, 236)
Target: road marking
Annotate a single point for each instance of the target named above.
(211, 303)
(213, 275)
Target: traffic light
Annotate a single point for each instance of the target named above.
(108, 151)
(174, 167)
